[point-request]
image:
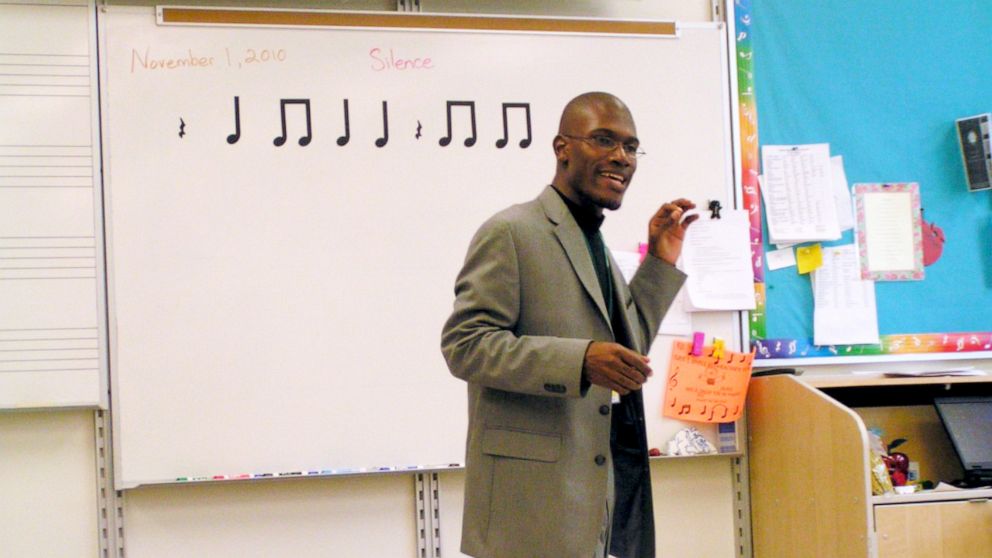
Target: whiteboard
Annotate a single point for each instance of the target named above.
(278, 308)
(53, 342)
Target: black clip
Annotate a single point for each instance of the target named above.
(715, 208)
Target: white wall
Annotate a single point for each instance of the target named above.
(48, 496)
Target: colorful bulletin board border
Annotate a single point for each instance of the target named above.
(764, 348)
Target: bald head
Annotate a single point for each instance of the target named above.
(581, 108)
(596, 151)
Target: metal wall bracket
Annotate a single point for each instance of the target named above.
(426, 490)
(111, 511)
(408, 5)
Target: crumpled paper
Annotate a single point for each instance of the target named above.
(689, 441)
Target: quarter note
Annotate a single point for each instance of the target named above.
(304, 140)
(343, 140)
(385, 126)
(524, 143)
(469, 141)
(233, 138)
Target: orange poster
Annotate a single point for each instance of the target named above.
(705, 388)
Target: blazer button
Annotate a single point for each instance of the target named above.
(604, 409)
(600, 459)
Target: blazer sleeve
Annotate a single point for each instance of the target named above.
(480, 341)
(653, 289)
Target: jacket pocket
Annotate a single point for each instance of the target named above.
(519, 444)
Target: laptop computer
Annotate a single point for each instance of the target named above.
(968, 421)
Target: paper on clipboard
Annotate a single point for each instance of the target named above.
(717, 258)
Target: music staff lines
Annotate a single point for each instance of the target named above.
(6, 330)
(295, 117)
(38, 349)
(49, 339)
(86, 369)
(96, 358)
(44, 75)
(13, 149)
(46, 166)
(47, 258)
(42, 94)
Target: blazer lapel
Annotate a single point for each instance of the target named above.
(574, 244)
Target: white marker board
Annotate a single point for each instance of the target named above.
(278, 308)
(53, 338)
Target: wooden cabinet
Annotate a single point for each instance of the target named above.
(935, 529)
(808, 462)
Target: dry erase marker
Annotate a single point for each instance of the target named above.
(261, 475)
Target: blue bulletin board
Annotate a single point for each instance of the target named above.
(883, 84)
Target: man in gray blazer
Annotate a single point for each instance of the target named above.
(544, 330)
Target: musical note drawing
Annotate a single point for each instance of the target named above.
(233, 138)
(469, 141)
(343, 140)
(524, 143)
(380, 142)
(674, 401)
(713, 411)
(182, 128)
(703, 412)
(304, 140)
(419, 127)
(685, 410)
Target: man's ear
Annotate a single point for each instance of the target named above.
(561, 149)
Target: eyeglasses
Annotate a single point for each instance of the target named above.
(607, 143)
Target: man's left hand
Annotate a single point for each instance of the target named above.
(667, 227)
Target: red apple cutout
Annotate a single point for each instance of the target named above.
(933, 243)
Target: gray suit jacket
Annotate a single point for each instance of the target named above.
(527, 305)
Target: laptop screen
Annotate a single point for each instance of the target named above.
(968, 421)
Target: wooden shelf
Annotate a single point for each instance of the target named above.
(861, 380)
(931, 496)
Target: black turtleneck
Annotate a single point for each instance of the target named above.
(590, 222)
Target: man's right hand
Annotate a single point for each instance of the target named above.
(613, 366)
